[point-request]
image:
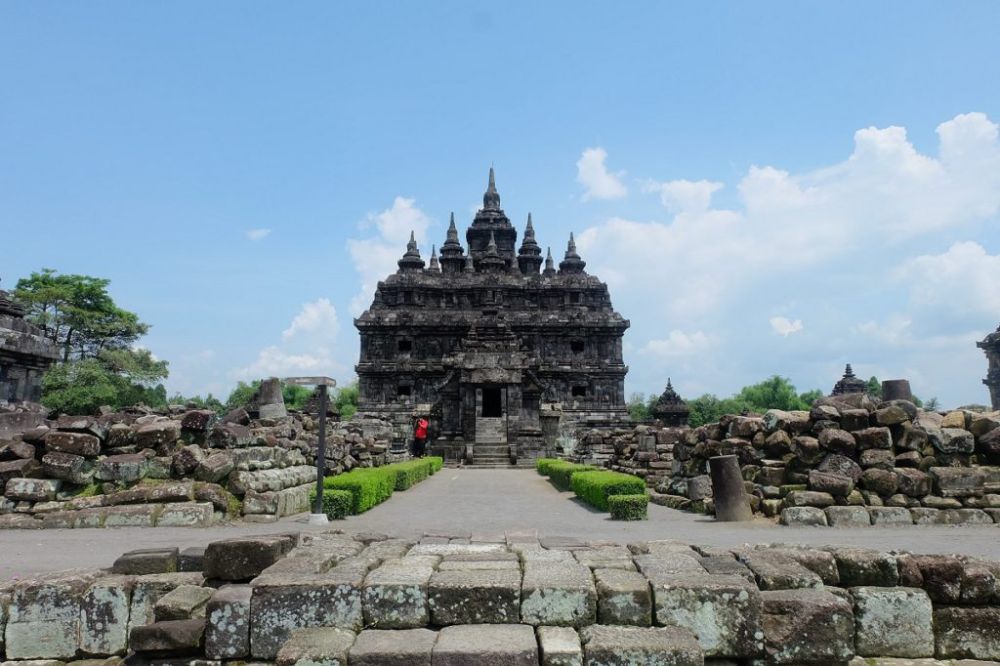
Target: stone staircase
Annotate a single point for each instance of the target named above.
(490, 449)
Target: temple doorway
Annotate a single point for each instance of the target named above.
(492, 402)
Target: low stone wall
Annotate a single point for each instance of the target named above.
(331, 598)
(183, 467)
(850, 461)
(643, 450)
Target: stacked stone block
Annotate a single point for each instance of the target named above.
(331, 598)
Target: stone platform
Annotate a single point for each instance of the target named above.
(330, 598)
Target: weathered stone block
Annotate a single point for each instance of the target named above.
(838, 441)
(880, 481)
(186, 514)
(805, 516)
(559, 646)
(214, 468)
(184, 602)
(32, 490)
(230, 436)
(227, 633)
(147, 561)
(124, 468)
(847, 516)
(640, 646)
(893, 622)
(172, 638)
(723, 612)
(317, 646)
(967, 633)
(282, 603)
(623, 597)
(958, 481)
(777, 570)
(157, 435)
(890, 515)
(44, 616)
(244, 558)
(807, 627)
(186, 460)
(395, 595)
(474, 597)
(16, 469)
(77, 443)
(828, 484)
(68, 467)
(558, 594)
(148, 590)
(376, 647)
(104, 616)
(137, 515)
(862, 567)
(494, 644)
(939, 575)
(912, 482)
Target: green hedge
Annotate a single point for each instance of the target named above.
(628, 507)
(370, 486)
(594, 488)
(561, 472)
(542, 465)
(336, 503)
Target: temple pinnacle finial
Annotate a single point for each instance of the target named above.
(572, 263)
(452, 229)
(411, 258)
(529, 229)
(434, 265)
(491, 200)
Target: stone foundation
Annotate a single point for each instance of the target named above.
(332, 598)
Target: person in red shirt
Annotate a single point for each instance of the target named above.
(420, 437)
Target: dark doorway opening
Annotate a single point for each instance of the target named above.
(492, 403)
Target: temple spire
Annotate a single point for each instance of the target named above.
(529, 257)
(434, 266)
(491, 199)
(492, 260)
(411, 259)
(550, 269)
(452, 252)
(571, 263)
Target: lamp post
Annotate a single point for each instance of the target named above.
(322, 384)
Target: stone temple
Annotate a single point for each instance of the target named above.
(501, 348)
(991, 347)
(25, 355)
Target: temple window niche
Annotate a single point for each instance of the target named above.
(576, 346)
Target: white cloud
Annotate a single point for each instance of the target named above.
(678, 196)
(306, 347)
(965, 278)
(894, 331)
(884, 193)
(376, 257)
(784, 326)
(257, 234)
(678, 344)
(592, 173)
(318, 317)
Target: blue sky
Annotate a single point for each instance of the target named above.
(766, 187)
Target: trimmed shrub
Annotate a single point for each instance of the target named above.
(594, 488)
(437, 462)
(628, 507)
(369, 486)
(561, 473)
(542, 465)
(411, 472)
(336, 503)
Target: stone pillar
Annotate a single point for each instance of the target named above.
(731, 503)
(270, 400)
(896, 389)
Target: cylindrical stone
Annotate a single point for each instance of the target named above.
(896, 389)
(731, 503)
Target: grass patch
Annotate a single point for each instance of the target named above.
(594, 488)
(628, 507)
(89, 490)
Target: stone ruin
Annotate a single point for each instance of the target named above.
(181, 467)
(487, 343)
(991, 346)
(25, 355)
(328, 598)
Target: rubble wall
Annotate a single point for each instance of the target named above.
(182, 467)
(333, 598)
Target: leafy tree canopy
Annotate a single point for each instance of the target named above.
(77, 313)
(773, 393)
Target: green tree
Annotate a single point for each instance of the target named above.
(296, 397)
(346, 400)
(115, 378)
(242, 394)
(874, 387)
(772, 393)
(640, 407)
(208, 402)
(77, 313)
